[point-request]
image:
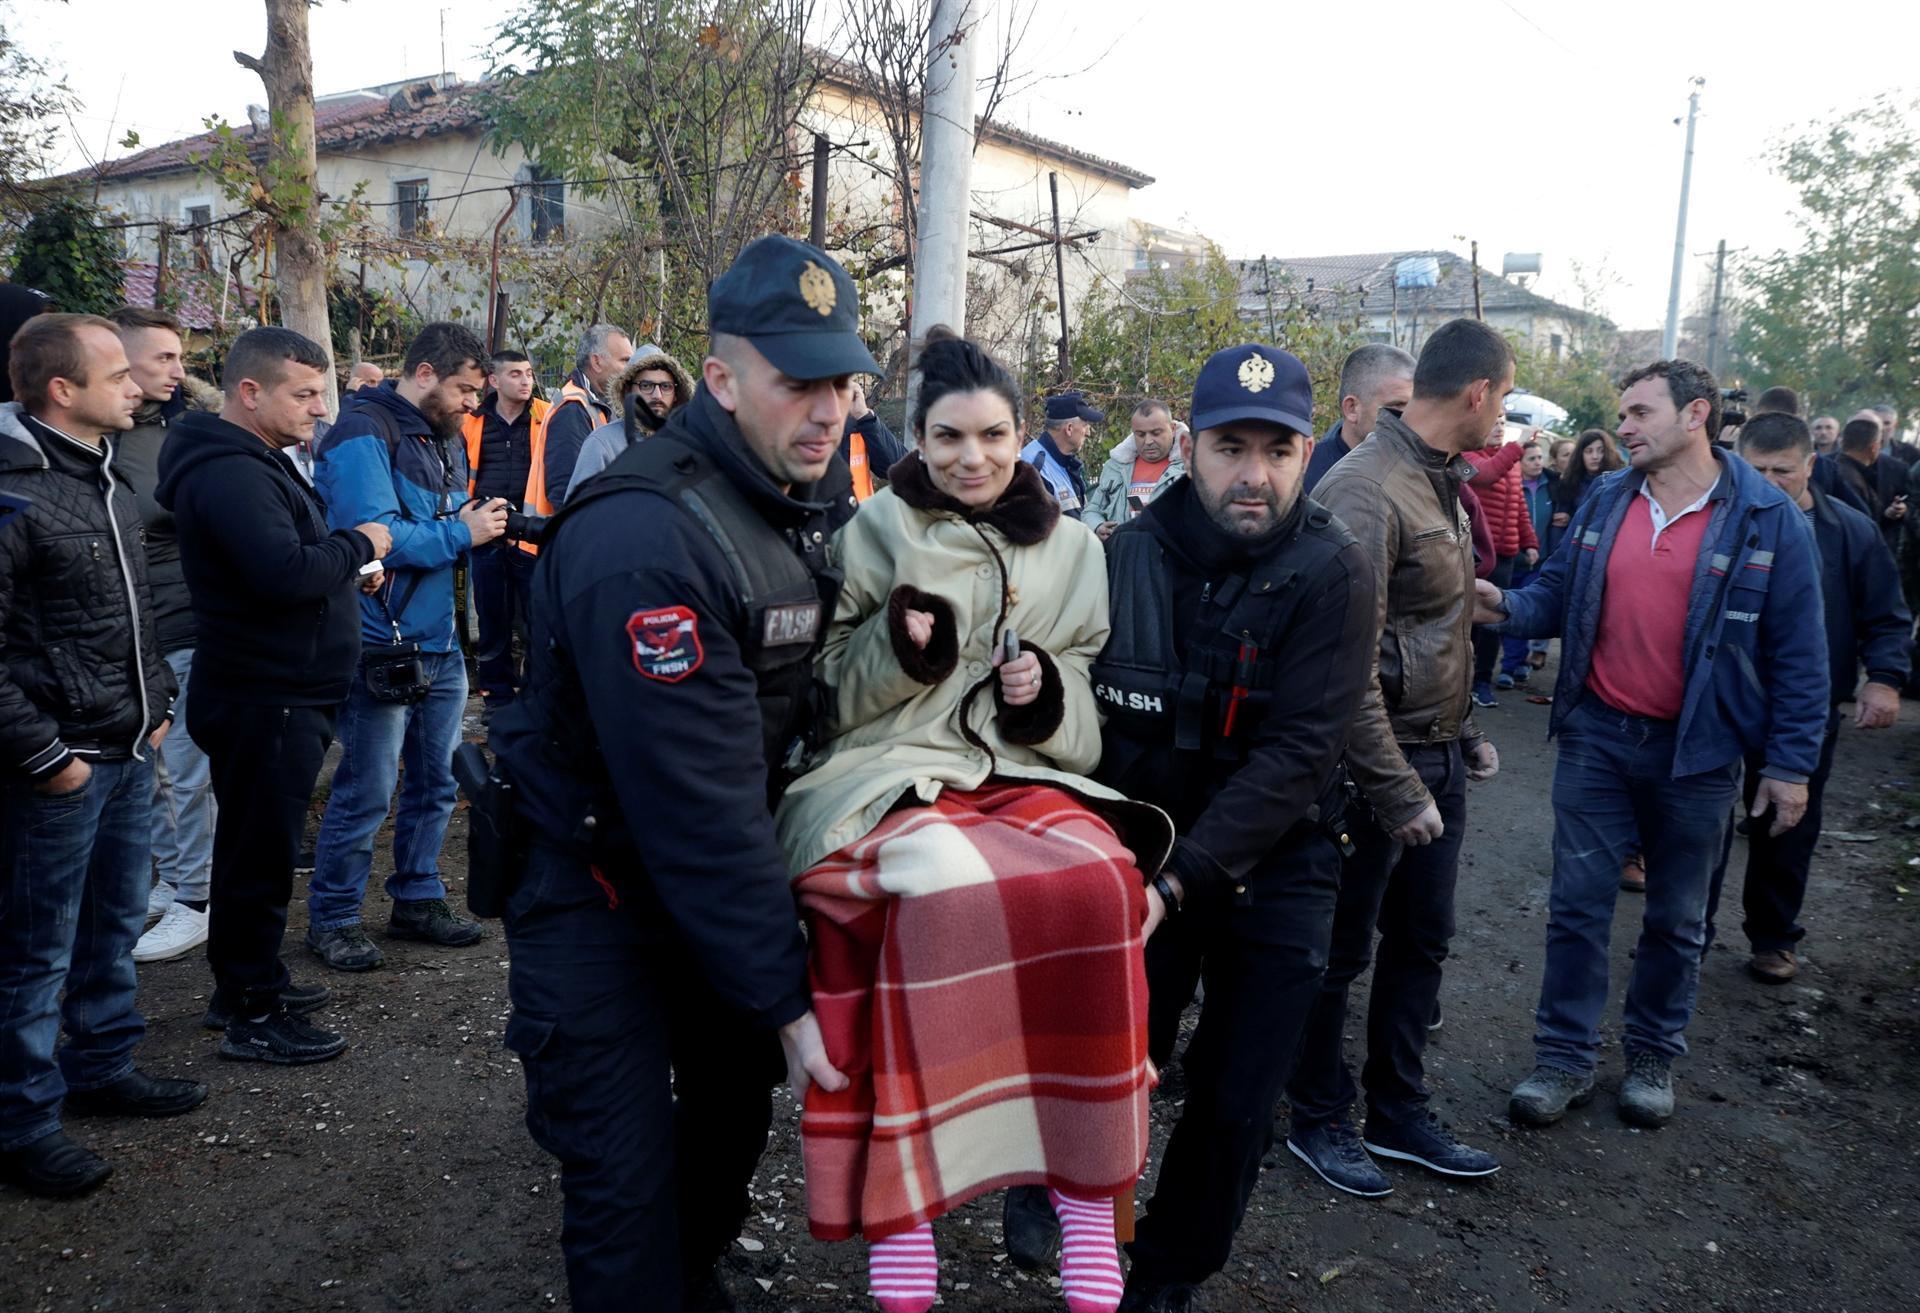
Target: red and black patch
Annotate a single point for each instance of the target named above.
(666, 643)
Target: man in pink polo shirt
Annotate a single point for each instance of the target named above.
(1688, 600)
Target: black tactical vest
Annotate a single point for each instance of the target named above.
(786, 588)
(1165, 717)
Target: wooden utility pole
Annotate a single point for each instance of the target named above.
(1059, 272)
(301, 263)
(817, 229)
(1266, 286)
(1478, 313)
(1713, 319)
(160, 265)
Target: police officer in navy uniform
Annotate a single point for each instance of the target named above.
(1241, 645)
(658, 966)
(1056, 451)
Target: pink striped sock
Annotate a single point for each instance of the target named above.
(904, 1271)
(1089, 1260)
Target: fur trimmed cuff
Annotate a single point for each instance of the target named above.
(1040, 719)
(933, 663)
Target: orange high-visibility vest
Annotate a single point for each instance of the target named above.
(535, 501)
(861, 467)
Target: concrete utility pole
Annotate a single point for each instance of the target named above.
(1670, 340)
(946, 167)
(1713, 320)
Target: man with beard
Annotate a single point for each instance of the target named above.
(391, 459)
(1242, 623)
(650, 388)
(1413, 748)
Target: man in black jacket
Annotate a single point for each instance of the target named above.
(84, 698)
(274, 596)
(1868, 626)
(1242, 624)
(678, 604)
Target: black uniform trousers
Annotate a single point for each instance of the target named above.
(501, 576)
(1777, 865)
(655, 1097)
(264, 761)
(1407, 893)
(1261, 962)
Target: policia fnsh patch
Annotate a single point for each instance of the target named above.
(666, 643)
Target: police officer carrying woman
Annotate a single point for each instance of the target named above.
(1242, 639)
(656, 949)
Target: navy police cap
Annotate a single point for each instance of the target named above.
(1073, 405)
(796, 305)
(1253, 382)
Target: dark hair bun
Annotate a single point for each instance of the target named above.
(949, 363)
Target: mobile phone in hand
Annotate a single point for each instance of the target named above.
(1010, 647)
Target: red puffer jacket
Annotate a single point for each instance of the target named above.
(1496, 481)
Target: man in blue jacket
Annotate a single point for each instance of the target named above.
(1687, 601)
(1056, 452)
(1867, 625)
(395, 458)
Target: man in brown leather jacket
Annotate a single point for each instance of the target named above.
(1411, 752)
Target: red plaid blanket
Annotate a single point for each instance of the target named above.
(977, 972)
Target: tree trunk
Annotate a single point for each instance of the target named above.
(301, 264)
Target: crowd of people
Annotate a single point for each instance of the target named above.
(935, 776)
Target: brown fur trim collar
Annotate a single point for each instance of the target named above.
(1025, 513)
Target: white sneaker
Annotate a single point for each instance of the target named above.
(159, 899)
(178, 933)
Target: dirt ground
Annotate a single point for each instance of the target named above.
(401, 1176)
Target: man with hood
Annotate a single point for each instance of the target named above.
(1138, 470)
(582, 408)
(650, 388)
(182, 792)
(275, 610)
(84, 700)
(391, 458)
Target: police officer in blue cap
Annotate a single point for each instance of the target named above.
(1056, 452)
(658, 966)
(1240, 651)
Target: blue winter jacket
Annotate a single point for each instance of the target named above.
(382, 461)
(1755, 650)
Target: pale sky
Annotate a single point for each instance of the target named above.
(1274, 127)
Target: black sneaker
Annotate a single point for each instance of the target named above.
(1427, 1141)
(345, 948)
(297, 999)
(1438, 1020)
(430, 919)
(53, 1167)
(1144, 1296)
(1335, 1154)
(137, 1094)
(303, 864)
(282, 1038)
(1031, 1229)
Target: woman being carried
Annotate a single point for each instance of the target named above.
(976, 919)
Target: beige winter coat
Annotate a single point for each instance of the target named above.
(899, 708)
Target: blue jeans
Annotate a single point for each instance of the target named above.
(183, 807)
(1614, 791)
(73, 900)
(376, 738)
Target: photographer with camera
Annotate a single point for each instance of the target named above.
(391, 458)
(274, 604)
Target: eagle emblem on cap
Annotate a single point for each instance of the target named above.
(817, 290)
(1256, 373)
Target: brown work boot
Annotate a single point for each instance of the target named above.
(1774, 966)
(1633, 875)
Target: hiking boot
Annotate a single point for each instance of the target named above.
(1544, 1097)
(297, 999)
(178, 932)
(1144, 1296)
(1646, 1097)
(53, 1167)
(280, 1038)
(1774, 966)
(345, 948)
(1031, 1228)
(1633, 874)
(1427, 1141)
(430, 919)
(1334, 1152)
(1483, 694)
(137, 1094)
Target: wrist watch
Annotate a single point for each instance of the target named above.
(1165, 891)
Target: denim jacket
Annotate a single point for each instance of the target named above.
(1755, 651)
